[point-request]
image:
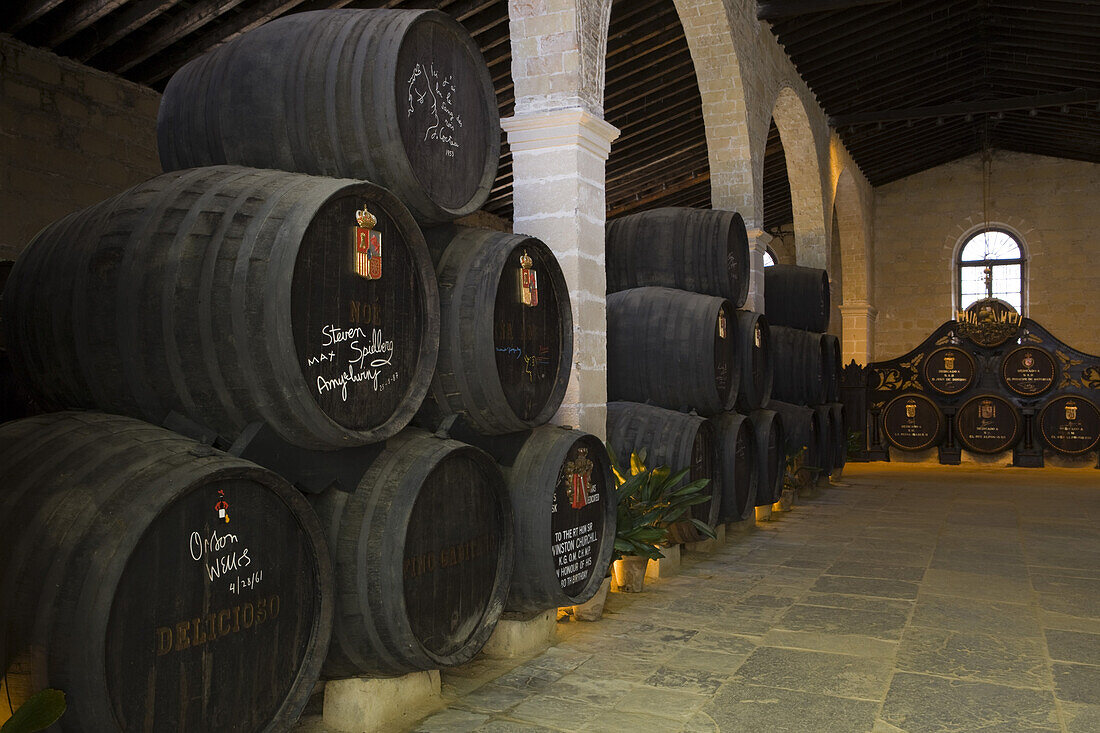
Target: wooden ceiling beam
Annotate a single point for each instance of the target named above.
(980, 107)
(777, 9)
(113, 29)
(74, 18)
(642, 202)
(169, 30)
(26, 13)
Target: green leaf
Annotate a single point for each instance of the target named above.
(705, 528)
(40, 711)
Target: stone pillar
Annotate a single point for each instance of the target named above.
(859, 331)
(758, 245)
(558, 159)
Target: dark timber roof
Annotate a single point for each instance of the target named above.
(910, 84)
(916, 83)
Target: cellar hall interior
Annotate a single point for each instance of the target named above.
(549, 365)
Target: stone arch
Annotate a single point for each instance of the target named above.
(721, 86)
(804, 174)
(852, 227)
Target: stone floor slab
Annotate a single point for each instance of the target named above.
(743, 707)
(927, 704)
(819, 672)
(1077, 683)
(1006, 660)
(1073, 646)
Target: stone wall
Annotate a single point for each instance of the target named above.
(920, 220)
(70, 136)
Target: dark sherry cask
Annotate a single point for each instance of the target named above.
(422, 550)
(161, 584)
(232, 295)
(698, 250)
(401, 98)
(673, 349)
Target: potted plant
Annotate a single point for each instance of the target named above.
(649, 501)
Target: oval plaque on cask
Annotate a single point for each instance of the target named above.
(699, 250)
(949, 370)
(1070, 424)
(673, 349)
(506, 341)
(401, 98)
(1028, 370)
(564, 500)
(912, 422)
(755, 383)
(987, 423)
(162, 584)
(422, 549)
(738, 462)
(232, 296)
(671, 439)
(770, 439)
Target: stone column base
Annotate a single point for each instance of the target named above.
(514, 638)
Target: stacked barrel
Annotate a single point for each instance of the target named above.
(273, 298)
(807, 366)
(688, 373)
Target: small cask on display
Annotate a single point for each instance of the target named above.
(162, 585)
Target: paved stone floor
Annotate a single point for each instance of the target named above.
(906, 598)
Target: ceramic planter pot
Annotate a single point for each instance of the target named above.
(592, 609)
(629, 573)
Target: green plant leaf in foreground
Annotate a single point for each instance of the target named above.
(40, 711)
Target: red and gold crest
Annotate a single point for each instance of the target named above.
(528, 281)
(1029, 360)
(949, 361)
(910, 409)
(1071, 411)
(986, 410)
(578, 477)
(367, 252)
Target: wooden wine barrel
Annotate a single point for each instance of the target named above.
(738, 463)
(827, 446)
(422, 549)
(802, 428)
(401, 98)
(755, 383)
(231, 295)
(699, 250)
(675, 440)
(831, 366)
(673, 349)
(839, 442)
(161, 584)
(799, 359)
(505, 349)
(564, 503)
(797, 297)
(770, 439)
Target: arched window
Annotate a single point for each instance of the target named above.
(769, 258)
(992, 263)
